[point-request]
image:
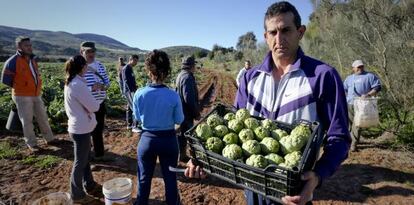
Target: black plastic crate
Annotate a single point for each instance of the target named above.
(274, 181)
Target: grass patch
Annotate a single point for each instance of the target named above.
(372, 132)
(43, 161)
(409, 183)
(7, 151)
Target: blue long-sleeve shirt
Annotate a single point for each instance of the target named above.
(157, 107)
(360, 84)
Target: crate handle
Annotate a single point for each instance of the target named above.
(302, 121)
(271, 167)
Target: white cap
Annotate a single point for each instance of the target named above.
(357, 63)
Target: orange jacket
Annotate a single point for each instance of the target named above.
(17, 74)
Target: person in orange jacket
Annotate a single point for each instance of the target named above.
(21, 73)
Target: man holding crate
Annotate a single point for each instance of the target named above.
(289, 86)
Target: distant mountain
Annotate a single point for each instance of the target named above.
(183, 50)
(50, 44)
(103, 40)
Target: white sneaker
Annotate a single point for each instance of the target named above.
(137, 130)
(34, 148)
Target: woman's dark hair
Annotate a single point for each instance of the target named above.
(158, 64)
(73, 67)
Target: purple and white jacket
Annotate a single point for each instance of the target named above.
(311, 90)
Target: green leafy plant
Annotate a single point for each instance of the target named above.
(7, 151)
(43, 162)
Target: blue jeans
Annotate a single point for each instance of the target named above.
(150, 147)
(81, 176)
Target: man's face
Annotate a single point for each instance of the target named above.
(134, 62)
(282, 36)
(247, 65)
(193, 68)
(358, 69)
(26, 47)
(89, 54)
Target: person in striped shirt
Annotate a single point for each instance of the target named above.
(97, 81)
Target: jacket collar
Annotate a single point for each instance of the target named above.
(267, 65)
(19, 53)
(153, 85)
(186, 71)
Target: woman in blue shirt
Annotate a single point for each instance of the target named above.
(158, 108)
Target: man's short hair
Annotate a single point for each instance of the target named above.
(88, 45)
(247, 61)
(134, 57)
(20, 39)
(281, 8)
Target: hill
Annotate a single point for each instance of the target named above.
(183, 50)
(51, 44)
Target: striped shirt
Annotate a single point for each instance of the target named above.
(310, 90)
(92, 77)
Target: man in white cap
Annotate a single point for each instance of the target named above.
(359, 84)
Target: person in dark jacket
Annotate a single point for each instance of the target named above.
(128, 86)
(186, 87)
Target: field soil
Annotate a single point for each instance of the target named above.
(375, 174)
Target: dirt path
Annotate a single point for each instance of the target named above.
(217, 86)
(373, 175)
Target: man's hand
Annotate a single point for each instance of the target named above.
(98, 86)
(193, 171)
(306, 195)
(198, 117)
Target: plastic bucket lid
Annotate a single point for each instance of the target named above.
(117, 188)
(61, 198)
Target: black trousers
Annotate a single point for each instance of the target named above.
(97, 133)
(182, 141)
(130, 121)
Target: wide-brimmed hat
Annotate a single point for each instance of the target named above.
(188, 61)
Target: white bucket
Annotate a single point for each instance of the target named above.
(58, 198)
(117, 191)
